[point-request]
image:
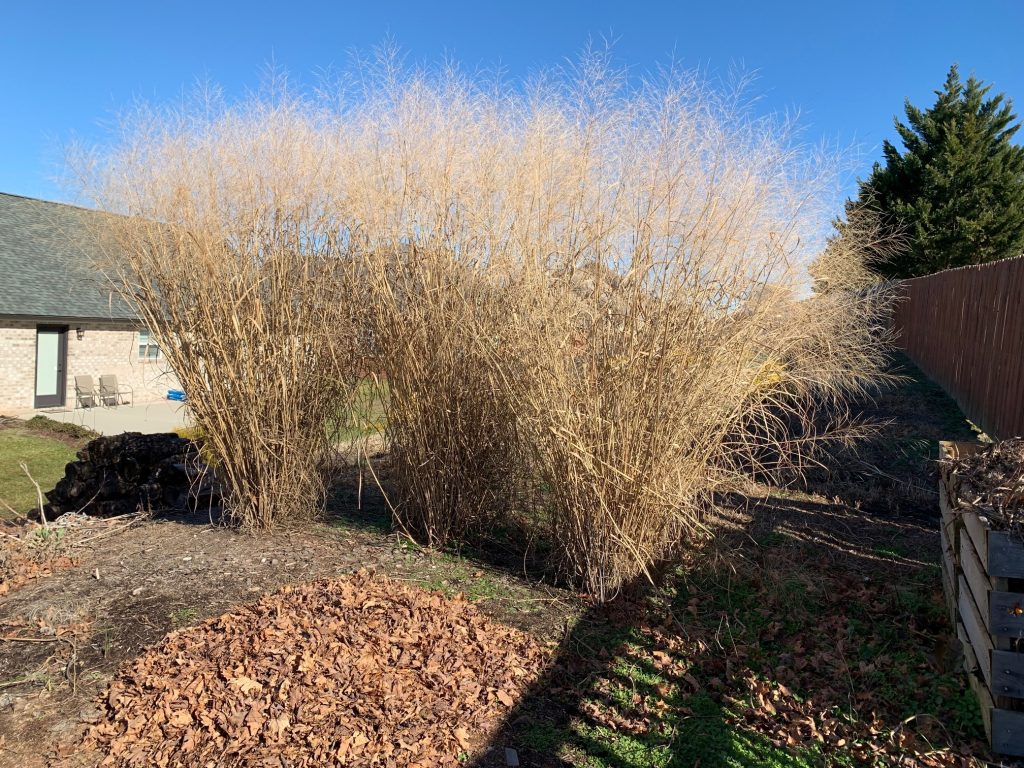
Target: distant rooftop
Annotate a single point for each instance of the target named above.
(47, 253)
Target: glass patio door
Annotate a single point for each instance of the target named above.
(51, 362)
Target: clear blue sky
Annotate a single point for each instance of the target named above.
(66, 67)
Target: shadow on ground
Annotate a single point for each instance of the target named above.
(806, 634)
(893, 471)
(811, 631)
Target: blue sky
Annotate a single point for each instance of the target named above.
(67, 67)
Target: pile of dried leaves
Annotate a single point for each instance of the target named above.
(991, 483)
(363, 671)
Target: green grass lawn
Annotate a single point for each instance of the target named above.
(366, 414)
(45, 457)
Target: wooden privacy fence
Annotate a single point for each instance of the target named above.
(965, 329)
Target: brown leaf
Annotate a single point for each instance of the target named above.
(322, 674)
(246, 685)
(180, 718)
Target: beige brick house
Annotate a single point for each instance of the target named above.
(59, 318)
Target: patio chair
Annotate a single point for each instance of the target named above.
(86, 395)
(113, 394)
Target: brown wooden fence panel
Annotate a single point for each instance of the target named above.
(965, 329)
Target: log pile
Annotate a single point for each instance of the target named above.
(127, 473)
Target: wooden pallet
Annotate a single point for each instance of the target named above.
(983, 579)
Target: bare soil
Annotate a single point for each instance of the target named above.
(64, 635)
(76, 626)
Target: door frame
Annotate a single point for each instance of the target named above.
(60, 399)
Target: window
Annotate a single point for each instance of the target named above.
(148, 350)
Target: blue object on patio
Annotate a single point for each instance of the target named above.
(176, 394)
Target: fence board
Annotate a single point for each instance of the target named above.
(965, 329)
(1008, 732)
(1006, 611)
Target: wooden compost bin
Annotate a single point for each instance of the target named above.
(983, 578)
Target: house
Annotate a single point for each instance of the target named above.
(59, 317)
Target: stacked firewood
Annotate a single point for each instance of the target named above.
(132, 472)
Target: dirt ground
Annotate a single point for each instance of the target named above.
(63, 635)
(148, 577)
(134, 586)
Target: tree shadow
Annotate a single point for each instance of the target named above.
(797, 611)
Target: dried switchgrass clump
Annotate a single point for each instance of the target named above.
(427, 163)
(229, 250)
(361, 671)
(663, 339)
(588, 296)
(450, 431)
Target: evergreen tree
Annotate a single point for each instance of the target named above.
(957, 190)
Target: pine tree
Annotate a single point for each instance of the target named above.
(956, 192)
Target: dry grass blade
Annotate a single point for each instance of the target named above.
(231, 254)
(591, 298)
(39, 492)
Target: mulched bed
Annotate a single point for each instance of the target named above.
(26, 555)
(991, 483)
(363, 671)
(31, 550)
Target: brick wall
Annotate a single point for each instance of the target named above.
(108, 348)
(17, 365)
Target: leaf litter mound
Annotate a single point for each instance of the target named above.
(361, 671)
(991, 483)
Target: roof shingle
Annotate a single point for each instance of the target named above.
(47, 253)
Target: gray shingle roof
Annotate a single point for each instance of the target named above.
(46, 262)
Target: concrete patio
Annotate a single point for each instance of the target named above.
(148, 418)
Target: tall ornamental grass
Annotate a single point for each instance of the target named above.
(621, 270)
(589, 295)
(229, 248)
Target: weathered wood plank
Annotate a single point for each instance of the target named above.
(1006, 611)
(947, 564)
(1005, 555)
(1008, 732)
(971, 667)
(945, 544)
(948, 516)
(954, 449)
(977, 528)
(945, 505)
(977, 581)
(1007, 674)
(947, 450)
(976, 631)
(949, 588)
